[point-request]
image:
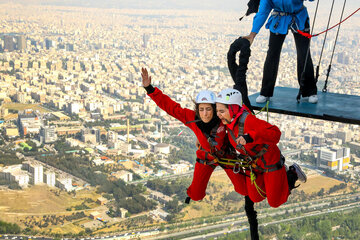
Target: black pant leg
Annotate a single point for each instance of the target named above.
(292, 178)
(309, 84)
(252, 218)
(271, 65)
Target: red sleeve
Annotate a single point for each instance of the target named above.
(261, 131)
(171, 107)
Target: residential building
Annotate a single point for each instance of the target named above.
(50, 179)
(48, 134)
(64, 184)
(334, 159)
(29, 122)
(14, 173)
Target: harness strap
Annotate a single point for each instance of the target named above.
(270, 168)
(193, 121)
(208, 163)
(279, 14)
(261, 152)
(242, 122)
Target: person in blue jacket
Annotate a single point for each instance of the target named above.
(285, 15)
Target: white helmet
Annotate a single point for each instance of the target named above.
(229, 96)
(205, 96)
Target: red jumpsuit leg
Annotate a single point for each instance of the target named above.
(202, 174)
(238, 180)
(254, 194)
(277, 189)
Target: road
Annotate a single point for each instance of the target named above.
(244, 228)
(233, 225)
(238, 222)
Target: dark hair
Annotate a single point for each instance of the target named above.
(197, 110)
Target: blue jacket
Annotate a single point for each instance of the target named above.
(280, 24)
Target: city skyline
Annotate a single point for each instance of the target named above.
(72, 104)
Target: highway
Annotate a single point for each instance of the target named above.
(230, 224)
(238, 222)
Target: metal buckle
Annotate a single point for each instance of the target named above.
(292, 27)
(239, 168)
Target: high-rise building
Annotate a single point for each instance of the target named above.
(21, 42)
(345, 136)
(50, 179)
(334, 159)
(36, 171)
(146, 38)
(9, 43)
(340, 57)
(49, 44)
(48, 134)
(74, 108)
(69, 47)
(317, 140)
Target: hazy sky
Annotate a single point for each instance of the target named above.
(234, 5)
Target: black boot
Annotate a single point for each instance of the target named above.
(292, 178)
(252, 218)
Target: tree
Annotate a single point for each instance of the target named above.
(9, 228)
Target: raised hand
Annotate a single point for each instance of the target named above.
(146, 79)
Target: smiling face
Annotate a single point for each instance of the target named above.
(206, 112)
(223, 113)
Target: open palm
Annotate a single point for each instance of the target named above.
(146, 79)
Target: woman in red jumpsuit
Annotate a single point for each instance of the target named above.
(257, 139)
(210, 133)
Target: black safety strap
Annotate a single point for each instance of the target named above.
(242, 122)
(272, 167)
(209, 163)
(193, 121)
(261, 152)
